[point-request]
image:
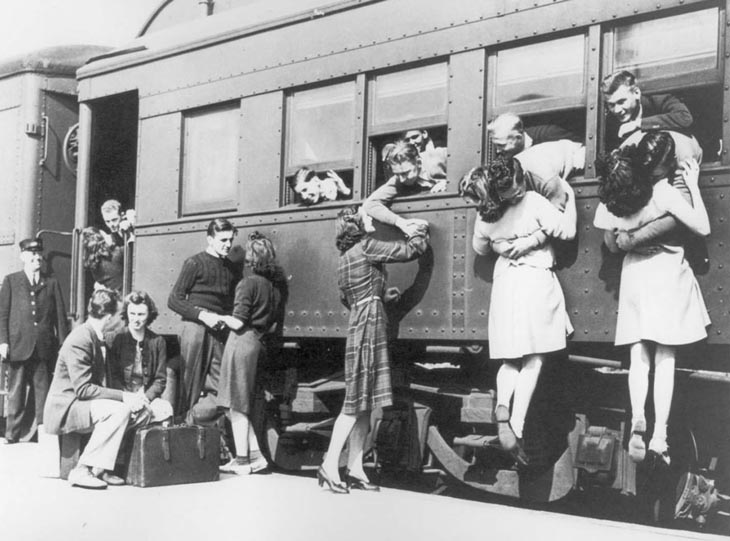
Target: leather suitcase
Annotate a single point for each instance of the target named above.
(174, 455)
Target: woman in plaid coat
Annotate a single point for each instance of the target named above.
(361, 279)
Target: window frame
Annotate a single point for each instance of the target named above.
(670, 82)
(192, 208)
(373, 130)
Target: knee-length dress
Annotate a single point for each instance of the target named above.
(361, 278)
(259, 304)
(659, 298)
(527, 308)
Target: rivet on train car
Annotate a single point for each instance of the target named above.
(586, 271)
(585, 331)
(585, 291)
(605, 332)
(720, 266)
(719, 288)
(410, 329)
(483, 313)
(575, 312)
(722, 196)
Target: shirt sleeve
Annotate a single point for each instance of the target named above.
(480, 240)
(671, 114)
(396, 251)
(5, 311)
(552, 221)
(551, 189)
(377, 204)
(243, 302)
(178, 300)
(603, 219)
(159, 350)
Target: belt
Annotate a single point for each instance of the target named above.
(367, 299)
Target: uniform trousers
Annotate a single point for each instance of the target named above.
(28, 383)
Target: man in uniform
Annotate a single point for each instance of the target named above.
(32, 324)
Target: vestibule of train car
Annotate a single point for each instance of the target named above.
(113, 153)
(113, 156)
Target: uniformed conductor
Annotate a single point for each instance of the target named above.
(32, 324)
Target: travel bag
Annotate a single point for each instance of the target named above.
(174, 455)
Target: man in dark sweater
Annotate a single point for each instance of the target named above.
(202, 295)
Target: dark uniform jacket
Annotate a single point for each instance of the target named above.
(80, 377)
(31, 317)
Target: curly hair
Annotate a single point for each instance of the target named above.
(102, 302)
(655, 149)
(95, 246)
(261, 256)
(622, 189)
(140, 297)
(349, 228)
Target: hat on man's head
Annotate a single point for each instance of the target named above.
(31, 245)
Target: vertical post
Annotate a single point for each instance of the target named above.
(83, 179)
(30, 154)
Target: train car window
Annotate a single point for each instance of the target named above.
(321, 126)
(541, 71)
(411, 104)
(688, 70)
(210, 160)
(642, 47)
(544, 83)
(320, 144)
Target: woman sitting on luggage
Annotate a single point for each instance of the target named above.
(138, 357)
(361, 279)
(527, 317)
(258, 312)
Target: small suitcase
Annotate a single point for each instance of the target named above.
(174, 455)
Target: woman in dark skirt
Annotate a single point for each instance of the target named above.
(258, 311)
(361, 279)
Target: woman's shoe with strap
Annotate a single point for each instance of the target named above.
(337, 488)
(359, 484)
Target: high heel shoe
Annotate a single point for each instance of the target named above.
(507, 438)
(637, 447)
(359, 484)
(337, 488)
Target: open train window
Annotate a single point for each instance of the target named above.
(408, 104)
(320, 137)
(545, 84)
(675, 55)
(210, 159)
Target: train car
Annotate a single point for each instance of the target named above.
(38, 114)
(214, 106)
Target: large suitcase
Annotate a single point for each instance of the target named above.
(174, 455)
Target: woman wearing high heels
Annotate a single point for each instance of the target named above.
(361, 279)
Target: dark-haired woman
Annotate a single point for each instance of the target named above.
(103, 258)
(659, 300)
(138, 356)
(361, 278)
(258, 311)
(527, 316)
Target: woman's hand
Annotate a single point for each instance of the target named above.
(691, 172)
(391, 294)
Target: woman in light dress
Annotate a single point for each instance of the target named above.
(660, 301)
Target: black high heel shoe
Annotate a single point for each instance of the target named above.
(337, 488)
(359, 484)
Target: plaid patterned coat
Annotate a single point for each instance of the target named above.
(361, 279)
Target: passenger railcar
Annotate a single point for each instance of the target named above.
(38, 113)
(210, 110)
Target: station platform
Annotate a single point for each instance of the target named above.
(272, 506)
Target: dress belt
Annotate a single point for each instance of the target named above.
(367, 299)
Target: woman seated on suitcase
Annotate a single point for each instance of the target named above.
(138, 357)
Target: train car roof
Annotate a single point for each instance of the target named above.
(169, 32)
(61, 60)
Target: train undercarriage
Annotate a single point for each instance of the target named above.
(442, 422)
